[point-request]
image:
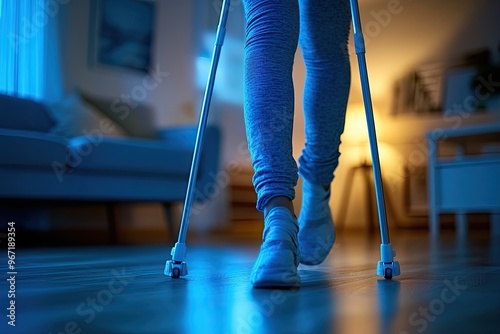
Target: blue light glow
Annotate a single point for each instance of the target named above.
(22, 46)
(229, 82)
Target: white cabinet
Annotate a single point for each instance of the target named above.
(467, 181)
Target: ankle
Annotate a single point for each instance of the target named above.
(279, 201)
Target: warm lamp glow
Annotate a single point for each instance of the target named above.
(355, 142)
(355, 130)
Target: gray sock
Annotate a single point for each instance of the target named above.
(316, 232)
(276, 265)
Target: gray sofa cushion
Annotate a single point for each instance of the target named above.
(30, 148)
(128, 155)
(135, 118)
(75, 118)
(23, 114)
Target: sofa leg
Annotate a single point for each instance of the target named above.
(169, 214)
(112, 223)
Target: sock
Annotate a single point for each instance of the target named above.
(276, 265)
(316, 232)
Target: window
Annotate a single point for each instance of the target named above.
(22, 44)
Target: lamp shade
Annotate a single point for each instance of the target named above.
(355, 129)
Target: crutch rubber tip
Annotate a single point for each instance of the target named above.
(388, 269)
(175, 269)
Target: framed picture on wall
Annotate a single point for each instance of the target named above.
(121, 33)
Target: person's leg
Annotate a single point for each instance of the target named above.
(271, 41)
(323, 39)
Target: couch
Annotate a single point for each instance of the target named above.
(104, 161)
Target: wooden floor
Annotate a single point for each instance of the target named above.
(446, 286)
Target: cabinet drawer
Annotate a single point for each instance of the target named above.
(471, 185)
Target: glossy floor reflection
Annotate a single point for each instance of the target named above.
(446, 286)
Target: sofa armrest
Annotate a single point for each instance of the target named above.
(24, 114)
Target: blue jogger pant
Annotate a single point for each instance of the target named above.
(274, 29)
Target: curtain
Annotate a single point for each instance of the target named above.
(29, 43)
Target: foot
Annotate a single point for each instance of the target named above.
(316, 232)
(276, 265)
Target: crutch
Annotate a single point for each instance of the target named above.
(176, 267)
(386, 267)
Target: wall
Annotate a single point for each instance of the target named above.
(422, 31)
(173, 53)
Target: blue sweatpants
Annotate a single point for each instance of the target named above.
(273, 30)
